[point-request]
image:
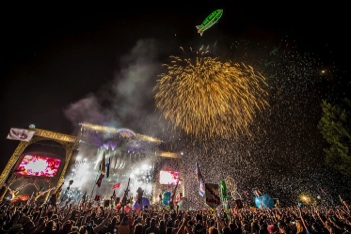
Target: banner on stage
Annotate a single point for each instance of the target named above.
(20, 134)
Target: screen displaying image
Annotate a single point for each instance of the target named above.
(169, 177)
(34, 165)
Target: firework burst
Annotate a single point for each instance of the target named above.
(207, 97)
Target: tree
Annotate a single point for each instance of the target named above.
(335, 127)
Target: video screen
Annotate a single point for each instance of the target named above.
(42, 166)
(169, 177)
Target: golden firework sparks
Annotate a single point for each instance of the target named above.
(207, 97)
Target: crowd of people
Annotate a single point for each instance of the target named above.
(93, 218)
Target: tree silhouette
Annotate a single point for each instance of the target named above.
(335, 126)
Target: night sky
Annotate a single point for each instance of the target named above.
(57, 65)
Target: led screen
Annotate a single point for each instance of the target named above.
(34, 165)
(169, 177)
